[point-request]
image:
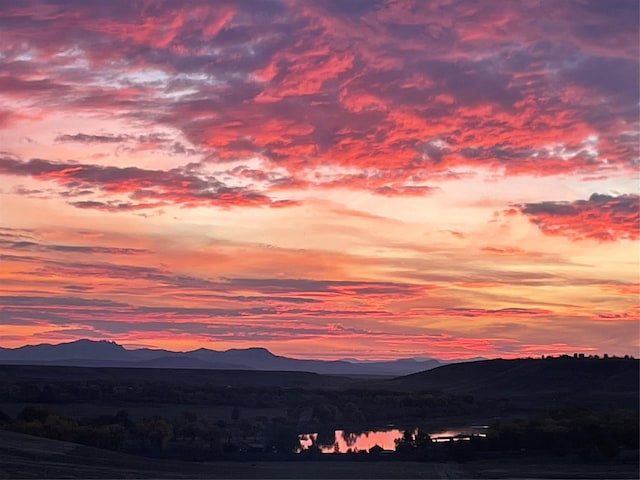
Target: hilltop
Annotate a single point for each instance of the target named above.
(553, 380)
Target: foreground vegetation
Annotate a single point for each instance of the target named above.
(590, 434)
(202, 418)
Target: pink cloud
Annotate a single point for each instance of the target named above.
(605, 218)
(146, 188)
(374, 89)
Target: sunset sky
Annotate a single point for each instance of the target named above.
(366, 179)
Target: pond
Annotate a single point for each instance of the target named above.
(340, 441)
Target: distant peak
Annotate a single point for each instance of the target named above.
(255, 350)
(87, 341)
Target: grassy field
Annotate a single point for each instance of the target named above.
(546, 467)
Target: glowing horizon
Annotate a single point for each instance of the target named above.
(323, 179)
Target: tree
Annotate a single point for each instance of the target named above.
(122, 418)
(422, 439)
(282, 439)
(157, 431)
(406, 443)
(213, 435)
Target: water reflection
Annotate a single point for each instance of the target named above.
(341, 441)
(459, 434)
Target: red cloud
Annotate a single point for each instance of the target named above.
(408, 89)
(602, 217)
(147, 188)
(631, 316)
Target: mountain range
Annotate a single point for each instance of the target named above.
(89, 353)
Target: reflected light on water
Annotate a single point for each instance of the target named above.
(455, 435)
(356, 442)
(342, 441)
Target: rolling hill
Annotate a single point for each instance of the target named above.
(563, 379)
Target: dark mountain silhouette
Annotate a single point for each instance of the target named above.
(80, 349)
(109, 354)
(408, 364)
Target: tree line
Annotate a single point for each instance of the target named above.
(590, 434)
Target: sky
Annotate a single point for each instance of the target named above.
(368, 179)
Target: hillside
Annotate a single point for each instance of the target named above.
(26, 456)
(234, 378)
(614, 381)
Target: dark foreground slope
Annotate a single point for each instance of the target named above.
(25, 456)
(605, 382)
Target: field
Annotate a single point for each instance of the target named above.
(545, 467)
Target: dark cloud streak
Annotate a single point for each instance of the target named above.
(154, 187)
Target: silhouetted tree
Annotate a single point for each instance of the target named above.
(282, 439)
(405, 444)
(156, 431)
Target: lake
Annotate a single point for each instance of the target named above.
(340, 441)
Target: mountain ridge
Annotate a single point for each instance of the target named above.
(106, 353)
